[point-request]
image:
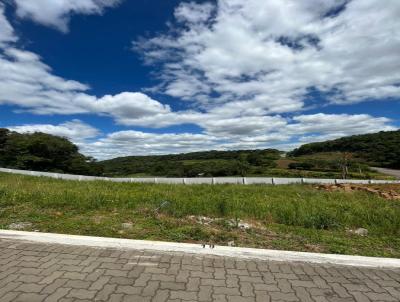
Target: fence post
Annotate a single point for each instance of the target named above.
(213, 181)
(273, 181)
(244, 181)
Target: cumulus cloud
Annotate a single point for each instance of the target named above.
(6, 30)
(131, 142)
(269, 54)
(57, 13)
(321, 127)
(193, 12)
(74, 130)
(27, 82)
(249, 66)
(283, 134)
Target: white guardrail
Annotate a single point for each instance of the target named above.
(203, 180)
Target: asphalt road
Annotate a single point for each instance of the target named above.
(391, 172)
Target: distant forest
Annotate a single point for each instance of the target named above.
(380, 149)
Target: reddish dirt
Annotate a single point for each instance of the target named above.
(389, 192)
(284, 163)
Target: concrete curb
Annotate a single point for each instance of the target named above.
(236, 252)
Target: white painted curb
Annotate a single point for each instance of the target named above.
(236, 252)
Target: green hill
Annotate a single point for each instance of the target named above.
(380, 149)
(208, 163)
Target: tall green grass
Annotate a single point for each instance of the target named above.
(291, 205)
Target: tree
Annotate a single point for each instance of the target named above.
(243, 166)
(44, 152)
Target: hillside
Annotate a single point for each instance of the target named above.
(208, 163)
(380, 149)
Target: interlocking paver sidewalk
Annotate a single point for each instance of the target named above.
(50, 272)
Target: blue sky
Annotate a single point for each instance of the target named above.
(153, 76)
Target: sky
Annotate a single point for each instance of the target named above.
(141, 77)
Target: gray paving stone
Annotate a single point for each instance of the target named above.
(36, 272)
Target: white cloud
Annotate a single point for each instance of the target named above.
(227, 60)
(283, 134)
(6, 30)
(322, 127)
(57, 13)
(268, 54)
(27, 82)
(193, 12)
(242, 126)
(75, 130)
(131, 142)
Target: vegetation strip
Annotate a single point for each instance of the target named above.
(288, 217)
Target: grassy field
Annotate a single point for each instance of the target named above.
(294, 217)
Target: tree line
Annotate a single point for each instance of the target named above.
(207, 163)
(380, 149)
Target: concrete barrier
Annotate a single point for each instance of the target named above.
(323, 181)
(68, 177)
(171, 181)
(286, 181)
(143, 180)
(258, 180)
(119, 179)
(375, 181)
(228, 180)
(203, 180)
(199, 181)
(353, 181)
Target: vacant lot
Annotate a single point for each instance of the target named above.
(295, 217)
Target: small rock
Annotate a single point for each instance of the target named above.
(19, 225)
(127, 225)
(240, 224)
(347, 188)
(244, 225)
(361, 232)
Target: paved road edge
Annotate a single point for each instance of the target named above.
(237, 252)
